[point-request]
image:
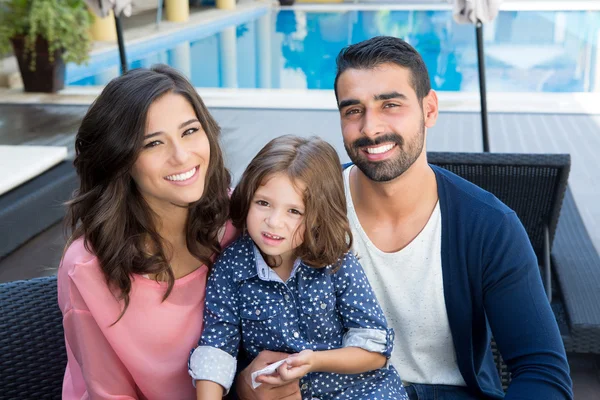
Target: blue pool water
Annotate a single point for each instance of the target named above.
(526, 51)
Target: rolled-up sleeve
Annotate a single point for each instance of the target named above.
(212, 364)
(375, 340)
(215, 357)
(362, 317)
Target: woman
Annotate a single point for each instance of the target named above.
(147, 221)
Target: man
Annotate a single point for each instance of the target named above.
(450, 264)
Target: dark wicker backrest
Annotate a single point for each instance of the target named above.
(32, 346)
(533, 185)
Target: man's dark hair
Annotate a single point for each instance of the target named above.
(379, 50)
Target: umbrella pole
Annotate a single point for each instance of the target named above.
(122, 55)
(482, 89)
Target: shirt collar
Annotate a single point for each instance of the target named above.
(267, 273)
(255, 265)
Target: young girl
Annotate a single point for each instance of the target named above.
(289, 284)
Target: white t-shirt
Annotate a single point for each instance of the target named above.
(409, 286)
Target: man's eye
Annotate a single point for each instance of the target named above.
(391, 105)
(352, 111)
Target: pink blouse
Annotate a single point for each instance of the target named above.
(144, 355)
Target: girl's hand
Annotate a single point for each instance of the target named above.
(295, 367)
(283, 390)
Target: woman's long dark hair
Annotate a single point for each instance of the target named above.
(109, 212)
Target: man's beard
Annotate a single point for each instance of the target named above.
(389, 169)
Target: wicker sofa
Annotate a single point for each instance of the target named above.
(32, 351)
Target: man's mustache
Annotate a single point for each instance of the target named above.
(387, 138)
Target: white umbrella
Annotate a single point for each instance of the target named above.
(472, 11)
(102, 8)
(478, 12)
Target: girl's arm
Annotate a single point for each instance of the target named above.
(347, 360)
(368, 341)
(212, 365)
(208, 390)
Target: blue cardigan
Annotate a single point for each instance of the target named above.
(492, 280)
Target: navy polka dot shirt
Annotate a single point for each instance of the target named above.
(247, 303)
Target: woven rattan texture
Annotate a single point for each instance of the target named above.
(533, 185)
(577, 266)
(32, 350)
(502, 368)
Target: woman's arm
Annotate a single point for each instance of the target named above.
(100, 369)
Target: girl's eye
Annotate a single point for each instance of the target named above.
(152, 144)
(262, 203)
(294, 211)
(190, 131)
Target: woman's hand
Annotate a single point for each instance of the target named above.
(295, 367)
(284, 391)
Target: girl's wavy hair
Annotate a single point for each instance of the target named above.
(108, 210)
(314, 163)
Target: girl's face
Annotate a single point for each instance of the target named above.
(275, 218)
(172, 165)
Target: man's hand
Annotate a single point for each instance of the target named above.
(287, 391)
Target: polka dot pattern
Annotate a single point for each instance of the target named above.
(314, 309)
(210, 363)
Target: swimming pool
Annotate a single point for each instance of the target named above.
(526, 51)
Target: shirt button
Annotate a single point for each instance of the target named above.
(287, 297)
(304, 386)
(257, 312)
(296, 335)
(323, 306)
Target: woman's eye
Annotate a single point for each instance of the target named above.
(152, 144)
(190, 131)
(262, 203)
(294, 211)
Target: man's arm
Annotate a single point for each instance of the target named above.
(521, 318)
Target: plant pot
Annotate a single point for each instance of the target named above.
(286, 2)
(48, 77)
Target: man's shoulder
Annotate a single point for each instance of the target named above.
(459, 193)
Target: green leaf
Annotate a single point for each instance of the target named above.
(64, 24)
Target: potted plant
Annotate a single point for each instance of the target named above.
(44, 35)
